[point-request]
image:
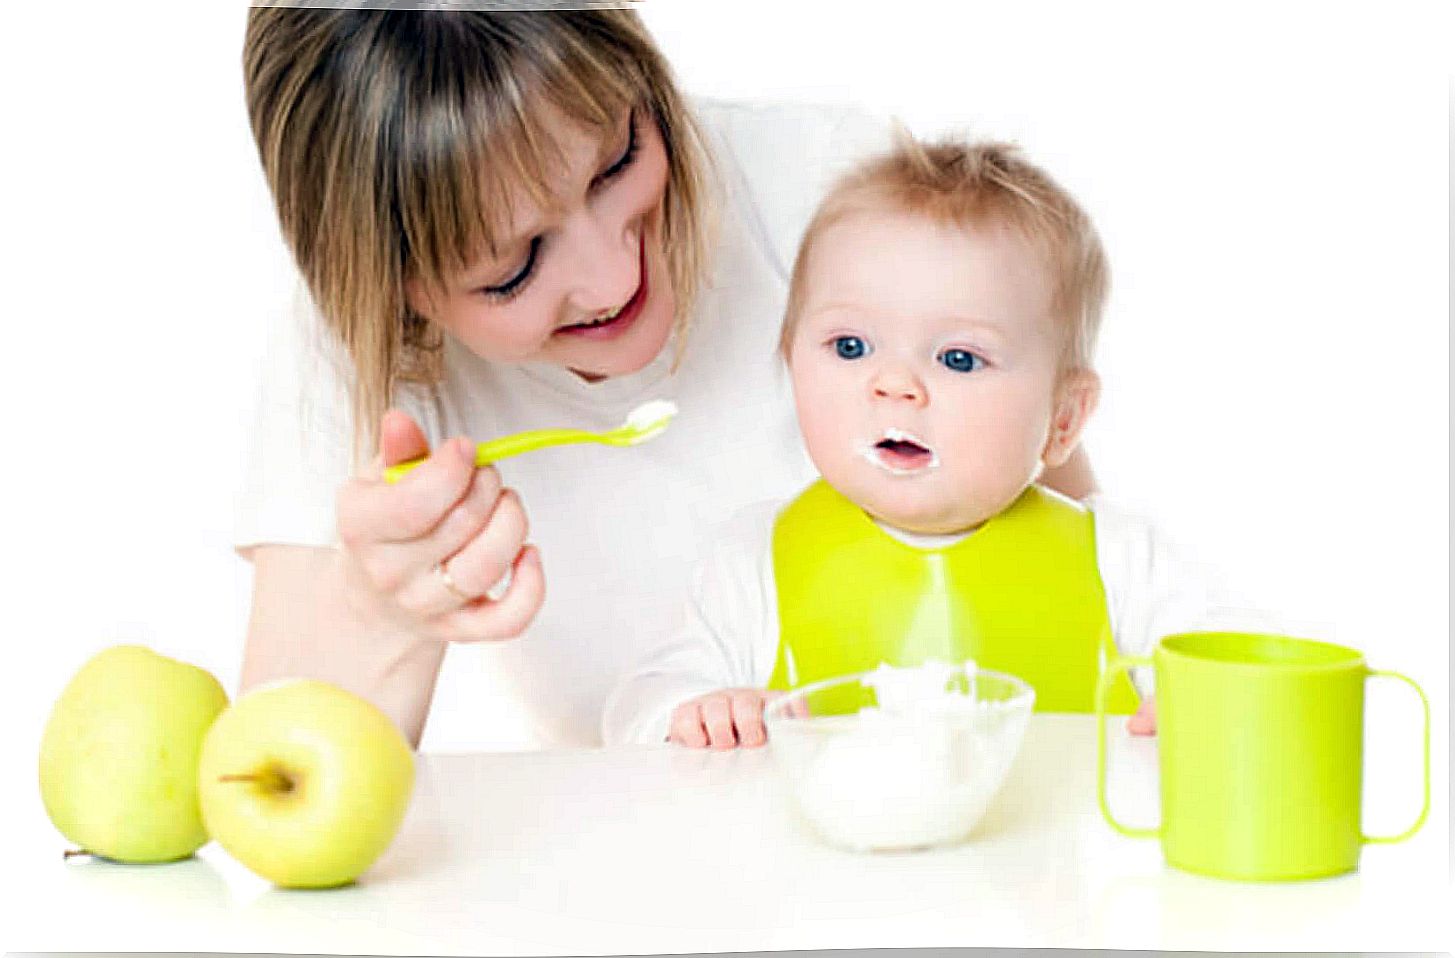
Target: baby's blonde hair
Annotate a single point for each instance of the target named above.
(961, 184)
(392, 142)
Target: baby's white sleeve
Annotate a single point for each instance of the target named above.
(1156, 587)
(302, 433)
(726, 633)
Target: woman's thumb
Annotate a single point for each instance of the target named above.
(400, 438)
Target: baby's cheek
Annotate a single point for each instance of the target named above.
(822, 425)
(996, 455)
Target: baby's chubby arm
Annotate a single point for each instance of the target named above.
(641, 708)
(714, 663)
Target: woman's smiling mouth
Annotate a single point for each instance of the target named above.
(901, 453)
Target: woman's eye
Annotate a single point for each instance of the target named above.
(514, 285)
(961, 360)
(850, 347)
(627, 155)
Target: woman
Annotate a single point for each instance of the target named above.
(502, 223)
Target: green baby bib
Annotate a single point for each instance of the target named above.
(1022, 594)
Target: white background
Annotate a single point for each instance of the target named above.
(1271, 181)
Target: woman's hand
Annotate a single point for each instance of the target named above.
(423, 553)
(722, 720)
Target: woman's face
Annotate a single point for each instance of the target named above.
(583, 283)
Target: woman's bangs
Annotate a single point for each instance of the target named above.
(495, 147)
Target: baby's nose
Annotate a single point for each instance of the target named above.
(899, 385)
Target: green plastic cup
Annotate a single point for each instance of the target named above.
(1260, 747)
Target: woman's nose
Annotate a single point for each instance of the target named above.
(604, 265)
(896, 383)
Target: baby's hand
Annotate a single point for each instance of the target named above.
(723, 719)
(1145, 721)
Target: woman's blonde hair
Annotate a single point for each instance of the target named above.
(962, 184)
(392, 142)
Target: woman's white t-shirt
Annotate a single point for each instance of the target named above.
(619, 529)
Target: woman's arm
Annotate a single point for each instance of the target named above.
(414, 569)
(302, 625)
(1073, 477)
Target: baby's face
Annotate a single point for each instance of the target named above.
(924, 369)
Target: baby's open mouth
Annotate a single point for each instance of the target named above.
(901, 453)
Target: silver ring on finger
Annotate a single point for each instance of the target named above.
(448, 581)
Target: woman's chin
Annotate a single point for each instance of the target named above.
(627, 354)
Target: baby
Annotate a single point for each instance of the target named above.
(939, 330)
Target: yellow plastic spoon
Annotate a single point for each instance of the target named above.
(642, 423)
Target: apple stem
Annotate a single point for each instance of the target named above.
(73, 852)
(270, 779)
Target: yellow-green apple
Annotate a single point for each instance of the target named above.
(304, 783)
(118, 759)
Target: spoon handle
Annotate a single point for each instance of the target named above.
(494, 450)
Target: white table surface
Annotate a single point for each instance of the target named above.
(658, 850)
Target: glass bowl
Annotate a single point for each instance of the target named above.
(898, 758)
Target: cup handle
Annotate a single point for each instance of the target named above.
(1425, 808)
(1103, 686)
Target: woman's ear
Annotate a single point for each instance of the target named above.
(417, 298)
(1076, 398)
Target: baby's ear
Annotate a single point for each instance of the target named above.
(1076, 397)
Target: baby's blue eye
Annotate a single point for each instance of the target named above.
(961, 360)
(850, 347)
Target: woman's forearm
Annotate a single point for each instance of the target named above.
(302, 626)
(1073, 477)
